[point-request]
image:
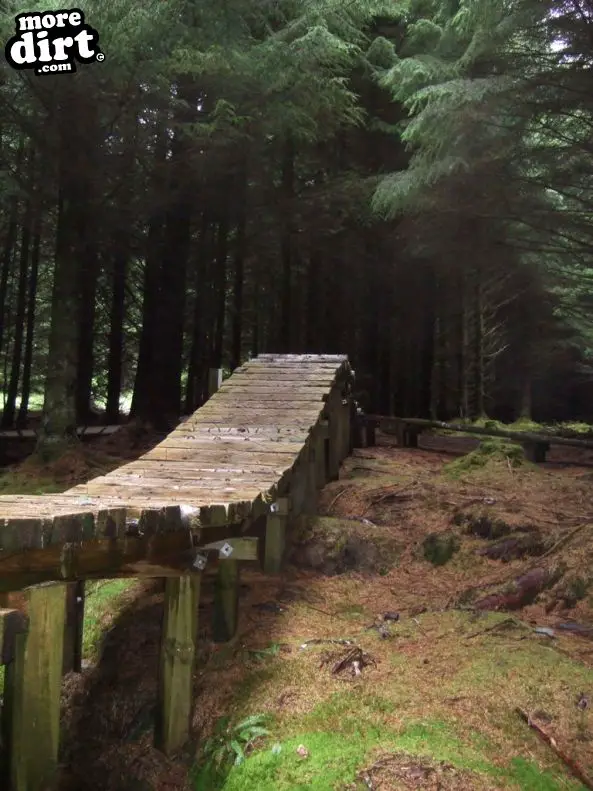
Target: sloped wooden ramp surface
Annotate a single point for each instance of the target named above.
(226, 463)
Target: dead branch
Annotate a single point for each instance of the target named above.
(562, 541)
(569, 762)
(336, 498)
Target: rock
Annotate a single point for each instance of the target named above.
(482, 523)
(514, 547)
(523, 590)
(335, 546)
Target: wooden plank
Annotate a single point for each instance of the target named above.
(177, 482)
(272, 393)
(177, 661)
(223, 446)
(243, 548)
(183, 470)
(34, 684)
(191, 495)
(314, 358)
(298, 385)
(167, 554)
(209, 433)
(262, 403)
(226, 601)
(238, 419)
(235, 416)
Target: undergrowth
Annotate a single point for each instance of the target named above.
(325, 759)
(489, 450)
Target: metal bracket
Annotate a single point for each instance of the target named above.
(200, 562)
(225, 551)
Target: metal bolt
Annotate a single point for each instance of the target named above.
(225, 551)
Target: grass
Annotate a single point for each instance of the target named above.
(17, 482)
(405, 707)
(336, 756)
(102, 602)
(488, 451)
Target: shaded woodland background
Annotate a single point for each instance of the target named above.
(410, 183)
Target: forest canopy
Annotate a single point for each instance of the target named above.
(410, 183)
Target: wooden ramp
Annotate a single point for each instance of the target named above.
(235, 471)
(226, 465)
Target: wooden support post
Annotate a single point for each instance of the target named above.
(214, 380)
(33, 682)
(346, 426)
(339, 432)
(176, 671)
(12, 624)
(226, 601)
(276, 537)
(321, 440)
(310, 501)
(74, 627)
(371, 433)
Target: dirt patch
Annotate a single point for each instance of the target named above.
(336, 546)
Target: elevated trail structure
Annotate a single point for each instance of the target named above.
(220, 490)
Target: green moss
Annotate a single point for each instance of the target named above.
(15, 482)
(489, 450)
(100, 597)
(334, 760)
(439, 548)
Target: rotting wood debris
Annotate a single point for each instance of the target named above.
(354, 659)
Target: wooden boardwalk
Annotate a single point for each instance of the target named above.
(233, 473)
(228, 462)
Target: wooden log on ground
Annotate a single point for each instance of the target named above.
(177, 660)
(226, 601)
(517, 436)
(33, 684)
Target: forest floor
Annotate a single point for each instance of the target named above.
(425, 698)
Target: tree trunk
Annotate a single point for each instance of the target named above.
(194, 394)
(9, 412)
(116, 327)
(286, 245)
(9, 243)
(32, 298)
(239, 274)
(78, 147)
(88, 276)
(141, 399)
(314, 304)
(220, 280)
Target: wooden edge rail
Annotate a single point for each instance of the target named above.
(165, 541)
(408, 429)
